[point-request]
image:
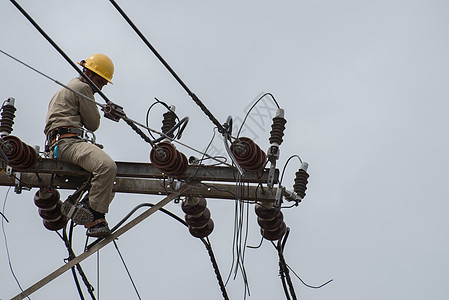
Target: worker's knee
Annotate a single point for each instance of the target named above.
(108, 168)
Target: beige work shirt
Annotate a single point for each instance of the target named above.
(67, 109)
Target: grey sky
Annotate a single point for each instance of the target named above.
(365, 88)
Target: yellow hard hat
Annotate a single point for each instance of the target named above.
(101, 65)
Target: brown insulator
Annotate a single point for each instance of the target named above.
(56, 224)
(29, 161)
(168, 123)
(13, 149)
(49, 203)
(198, 220)
(52, 213)
(21, 156)
(249, 155)
(273, 235)
(265, 212)
(194, 209)
(46, 198)
(277, 130)
(271, 224)
(201, 232)
(301, 181)
(168, 160)
(7, 119)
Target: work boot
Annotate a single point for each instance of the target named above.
(98, 227)
(100, 230)
(79, 213)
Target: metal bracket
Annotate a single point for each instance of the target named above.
(17, 180)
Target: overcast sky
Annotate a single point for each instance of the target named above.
(364, 85)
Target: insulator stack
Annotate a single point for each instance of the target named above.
(301, 181)
(197, 216)
(277, 128)
(271, 222)
(248, 154)
(168, 160)
(168, 123)
(21, 156)
(49, 204)
(7, 119)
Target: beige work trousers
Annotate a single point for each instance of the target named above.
(94, 160)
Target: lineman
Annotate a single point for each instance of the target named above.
(68, 116)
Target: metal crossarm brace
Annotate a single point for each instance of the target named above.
(100, 245)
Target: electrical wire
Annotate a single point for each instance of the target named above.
(4, 216)
(67, 239)
(308, 285)
(206, 243)
(6, 244)
(129, 121)
(240, 237)
(169, 109)
(284, 269)
(127, 270)
(258, 246)
(255, 103)
(162, 60)
(285, 166)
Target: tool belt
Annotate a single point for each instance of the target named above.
(60, 133)
(63, 132)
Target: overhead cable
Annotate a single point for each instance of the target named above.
(45, 35)
(162, 60)
(206, 243)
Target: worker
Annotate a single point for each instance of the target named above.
(69, 115)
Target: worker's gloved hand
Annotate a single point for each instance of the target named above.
(113, 111)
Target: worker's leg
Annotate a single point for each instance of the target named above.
(92, 159)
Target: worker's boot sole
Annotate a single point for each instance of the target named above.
(99, 231)
(79, 214)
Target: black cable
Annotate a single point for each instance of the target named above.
(127, 270)
(138, 131)
(308, 285)
(285, 166)
(161, 59)
(4, 216)
(283, 271)
(148, 114)
(75, 277)
(255, 103)
(45, 35)
(258, 246)
(183, 122)
(207, 244)
(68, 243)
